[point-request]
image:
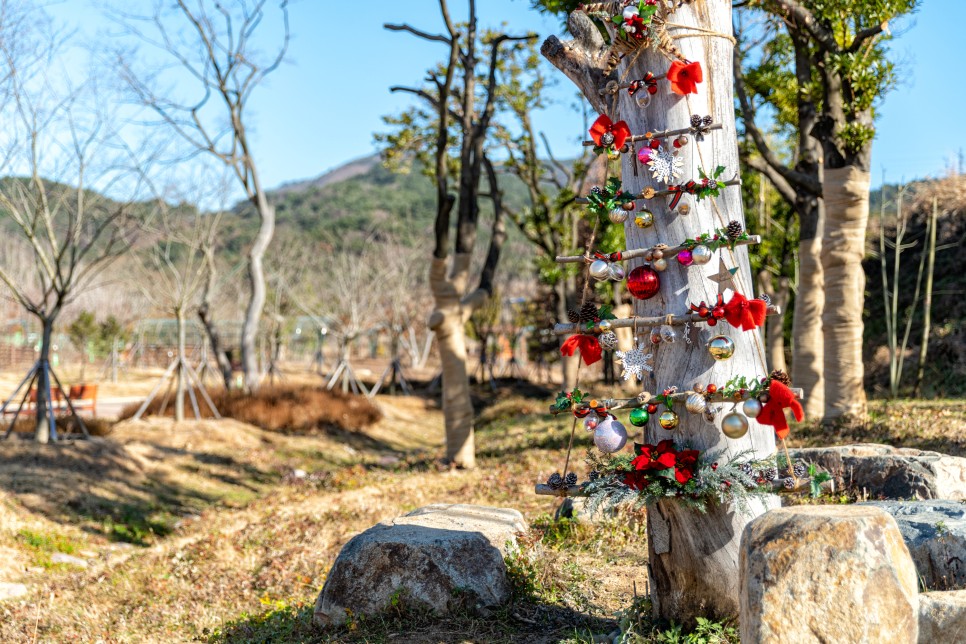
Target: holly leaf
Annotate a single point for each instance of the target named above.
(618, 19)
(606, 312)
(646, 11)
(718, 171)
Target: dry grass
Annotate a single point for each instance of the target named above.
(293, 409)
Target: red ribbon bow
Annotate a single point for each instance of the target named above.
(745, 313)
(684, 77)
(649, 83)
(603, 125)
(780, 398)
(589, 347)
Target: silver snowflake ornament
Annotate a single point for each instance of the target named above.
(635, 362)
(665, 166)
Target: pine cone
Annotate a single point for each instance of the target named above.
(596, 190)
(745, 468)
(770, 474)
(789, 483)
(734, 230)
(594, 475)
(573, 316)
(588, 313)
(571, 479)
(555, 482)
(781, 377)
(764, 297)
(695, 120)
(707, 120)
(801, 471)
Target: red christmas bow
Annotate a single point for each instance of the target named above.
(648, 83)
(684, 77)
(780, 398)
(745, 313)
(589, 348)
(603, 125)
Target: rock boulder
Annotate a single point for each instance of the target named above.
(935, 533)
(942, 617)
(827, 574)
(434, 558)
(891, 472)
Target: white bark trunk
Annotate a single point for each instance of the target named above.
(256, 281)
(448, 322)
(846, 196)
(694, 557)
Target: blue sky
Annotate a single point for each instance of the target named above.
(322, 107)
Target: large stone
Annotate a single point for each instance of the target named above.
(935, 533)
(827, 574)
(11, 590)
(435, 557)
(890, 472)
(942, 617)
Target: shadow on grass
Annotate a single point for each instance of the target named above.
(520, 622)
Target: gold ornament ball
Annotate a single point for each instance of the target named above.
(696, 404)
(644, 219)
(604, 326)
(668, 419)
(734, 425)
(751, 407)
(659, 264)
(721, 347)
(684, 209)
(618, 215)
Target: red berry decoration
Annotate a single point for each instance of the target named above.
(643, 283)
(712, 388)
(651, 408)
(718, 312)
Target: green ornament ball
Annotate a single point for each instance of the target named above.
(639, 417)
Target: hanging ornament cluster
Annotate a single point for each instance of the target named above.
(607, 135)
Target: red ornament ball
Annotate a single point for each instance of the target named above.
(651, 408)
(643, 282)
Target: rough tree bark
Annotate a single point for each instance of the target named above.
(204, 314)
(693, 563)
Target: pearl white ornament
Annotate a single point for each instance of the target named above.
(630, 12)
(659, 264)
(701, 254)
(600, 270)
(610, 436)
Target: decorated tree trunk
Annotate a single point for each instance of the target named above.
(693, 567)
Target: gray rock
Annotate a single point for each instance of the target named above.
(826, 573)
(11, 591)
(935, 533)
(890, 472)
(437, 557)
(942, 617)
(70, 560)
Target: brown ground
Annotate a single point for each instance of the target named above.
(188, 528)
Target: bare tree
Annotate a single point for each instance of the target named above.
(63, 144)
(214, 46)
(462, 100)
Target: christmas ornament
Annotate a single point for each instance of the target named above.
(734, 425)
(780, 397)
(643, 282)
(610, 436)
(668, 419)
(684, 77)
(744, 313)
(696, 404)
(607, 134)
(588, 345)
(734, 230)
(685, 258)
(665, 166)
(644, 219)
(721, 347)
(724, 277)
(635, 362)
(710, 413)
(680, 141)
(659, 264)
(591, 422)
(751, 407)
(600, 270)
(655, 336)
(701, 254)
(618, 215)
(639, 417)
(668, 334)
(608, 341)
(603, 326)
(616, 272)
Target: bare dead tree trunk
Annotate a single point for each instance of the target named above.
(180, 375)
(693, 562)
(44, 407)
(256, 282)
(927, 304)
(204, 314)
